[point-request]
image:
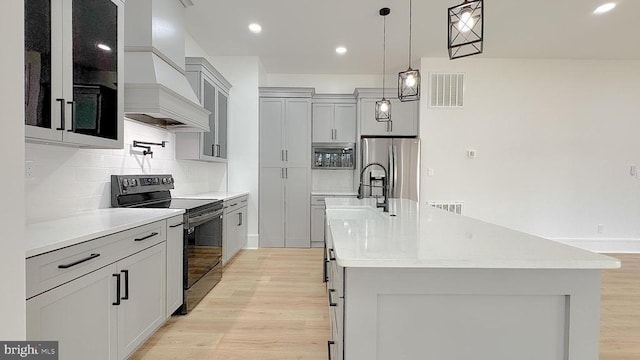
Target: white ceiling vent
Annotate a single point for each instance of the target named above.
(447, 90)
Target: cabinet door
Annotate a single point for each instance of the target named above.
(222, 124)
(317, 226)
(297, 129)
(175, 248)
(43, 64)
(345, 123)
(368, 123)
(271, 132)
(271, 222)
(297, 205)
(242, 234)
(80, 315)
(93, 75)
(143, 300)
(209, 102)
(322, 120)
(230, 225)
(404, 118)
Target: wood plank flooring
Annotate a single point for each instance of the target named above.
(272, 304)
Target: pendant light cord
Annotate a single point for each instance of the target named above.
(410, 10)
(384, 49)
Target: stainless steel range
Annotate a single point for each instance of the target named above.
(202, 229)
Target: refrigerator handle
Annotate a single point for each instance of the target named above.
(390, 172)
(395, 169)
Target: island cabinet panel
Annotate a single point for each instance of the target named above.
(485, 314)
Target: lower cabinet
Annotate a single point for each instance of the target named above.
(235, 228)
(113, 306)
(175, 249)
(335, 297)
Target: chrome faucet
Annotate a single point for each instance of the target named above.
(384, 205)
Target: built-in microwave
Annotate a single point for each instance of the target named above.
(333, 156)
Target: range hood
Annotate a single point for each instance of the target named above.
(156, 90)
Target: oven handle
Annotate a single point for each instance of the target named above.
(201, 219)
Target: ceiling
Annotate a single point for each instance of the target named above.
(300, 36)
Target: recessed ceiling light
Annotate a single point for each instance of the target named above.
(341, 50)
(255, 28)
(104, 47)
(604, 8)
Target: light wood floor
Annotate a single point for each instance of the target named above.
(272, 304)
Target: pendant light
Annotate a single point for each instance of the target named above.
(466, 25)
(383, 106)
(409, 80)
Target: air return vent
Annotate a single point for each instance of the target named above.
(452, 206)
(447, 90)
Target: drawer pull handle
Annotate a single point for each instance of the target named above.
(330, 302)
(176, 225)
(332, 255)
(326, 273)
(234, 204)
(329, 343)
(126, 284)
(117, 290)
(148, 236)
(245, 200)
(66, 266)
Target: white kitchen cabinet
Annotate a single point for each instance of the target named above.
(404, 115)
(80, 315)
(73, 72)
(101, 298)
(235, 227)
(143, 304)
(285, 166)
(212, 89)
(175, 249)
(334, 119)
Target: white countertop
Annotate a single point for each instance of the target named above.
(45, 236)
(420, 236)
(335, 193)
(218, 195)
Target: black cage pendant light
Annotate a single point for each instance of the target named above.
(383, 107)
(466, 24)
(409, 80)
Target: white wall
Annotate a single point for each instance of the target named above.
(555, 141)
(12, 281)
(325, 83)
(70, 180)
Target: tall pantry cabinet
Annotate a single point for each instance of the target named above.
(285, 167)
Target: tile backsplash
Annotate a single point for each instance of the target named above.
(67, 180)
(332, 180)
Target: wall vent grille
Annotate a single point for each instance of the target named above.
(447, 90)
(452, 206)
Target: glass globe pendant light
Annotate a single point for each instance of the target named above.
(409, 80)
(383, 106)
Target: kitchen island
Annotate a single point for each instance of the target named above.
(423, 283)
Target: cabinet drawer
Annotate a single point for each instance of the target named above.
(235, 203)
(317, 200)
(46, 271)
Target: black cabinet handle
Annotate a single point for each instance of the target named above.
(148, 236)
(176, 225)
(126, 284)
(117, 290)
(218, 153)
(332, 257)
(326, 273)
(239, 218)
(62, 114)
(66, 266)
(331, 291)
(73, 119)
(329, 343)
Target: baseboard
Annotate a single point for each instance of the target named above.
(253, 241)
(604, 245)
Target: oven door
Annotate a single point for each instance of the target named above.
(203, 247)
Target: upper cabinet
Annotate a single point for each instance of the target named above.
(212, 89)
(404, 115)
(73, 72)
(334, 119)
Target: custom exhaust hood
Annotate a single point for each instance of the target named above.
(156, 90)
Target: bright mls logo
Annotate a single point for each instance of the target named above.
(34, 350)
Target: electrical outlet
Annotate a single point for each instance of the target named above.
(633, 170)
(28, 169)
(429, 171)
(472, 154)
(600, 228)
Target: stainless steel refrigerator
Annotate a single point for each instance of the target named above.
(401, 158)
